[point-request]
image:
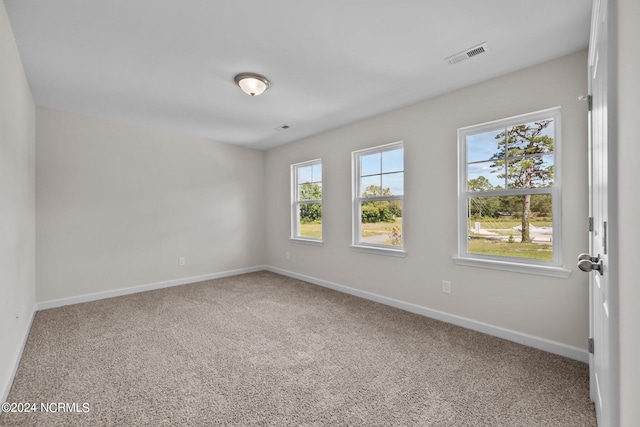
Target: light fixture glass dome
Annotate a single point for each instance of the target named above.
(251, 83)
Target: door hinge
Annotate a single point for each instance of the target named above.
(590, 224)
(590, 102)
(591, 345)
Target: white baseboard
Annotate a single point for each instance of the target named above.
(518, 337)
(497, 331)
(16, 360)
(44, 305)
(507, 334)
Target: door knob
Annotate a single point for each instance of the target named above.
(588, 263)
(582, 257)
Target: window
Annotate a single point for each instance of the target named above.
(509, 194)
(306, 201)
(378, 190)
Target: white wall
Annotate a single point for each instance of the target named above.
(551, 309)
(628, 209)
(118, 204)
(17, 204)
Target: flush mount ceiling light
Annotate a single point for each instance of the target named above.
(251, 83)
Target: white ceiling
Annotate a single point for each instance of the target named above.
(170, 64)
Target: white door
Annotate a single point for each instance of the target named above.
(601, 362)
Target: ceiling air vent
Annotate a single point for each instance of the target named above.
(471, 52)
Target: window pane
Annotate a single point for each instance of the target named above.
(483, 146)
(370, 186)
(381, 223)
(370, 164)
(310, 191)
(531, 138)
(531, 172)
(393, 184)
(310, 215)
(496, 226)
(317, 172)
(485, 176)
(307, 200)
(393, 161)
(304, 174)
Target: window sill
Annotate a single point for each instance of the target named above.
(312, 242)
(541, 270)
(380, 251)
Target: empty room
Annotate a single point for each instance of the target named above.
(295, 213)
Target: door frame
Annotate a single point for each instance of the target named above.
(607, 14)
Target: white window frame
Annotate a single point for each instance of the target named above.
(551, 268)
(295, 205)
(356, 215)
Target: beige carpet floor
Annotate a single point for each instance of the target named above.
(261, 349)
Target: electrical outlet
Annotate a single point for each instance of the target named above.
(182, 261)
(446, 286)
(286, 255)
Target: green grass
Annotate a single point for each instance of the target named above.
(371, 229)
(312, 229)
(494, 223)
(486, 245)
(506, 249)
(379, 228)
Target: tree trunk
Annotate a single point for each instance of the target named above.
(526, 213)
